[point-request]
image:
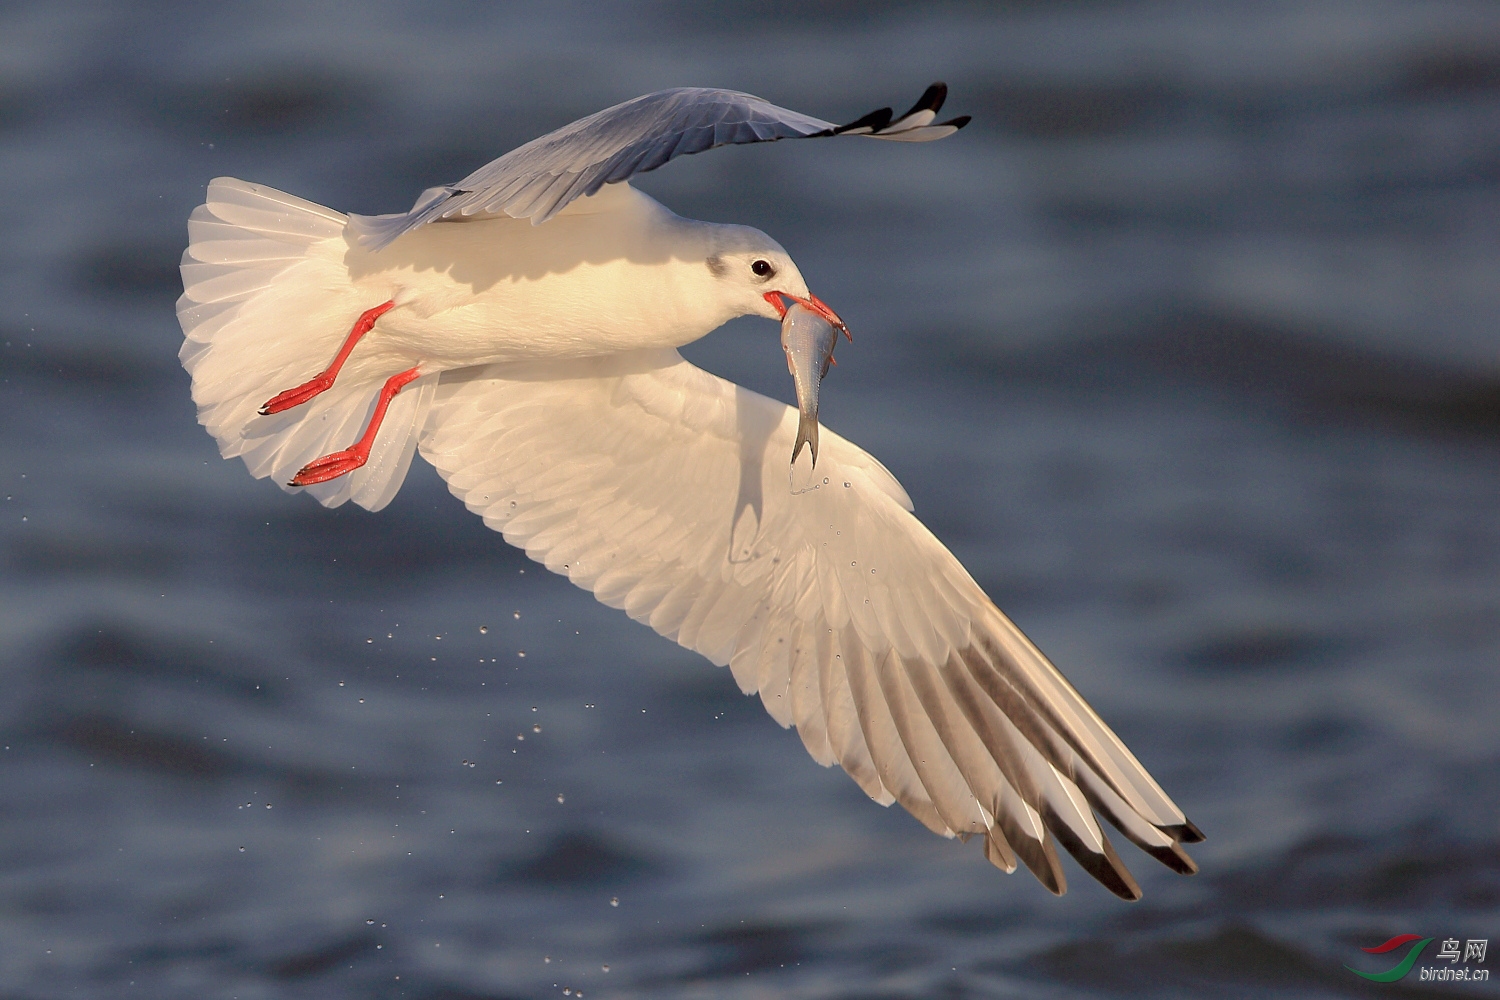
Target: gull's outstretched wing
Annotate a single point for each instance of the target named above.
(665, 490)
(537, 180)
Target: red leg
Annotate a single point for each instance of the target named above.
(322, 383)
(341, 462)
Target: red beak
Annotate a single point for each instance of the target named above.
(812, 302)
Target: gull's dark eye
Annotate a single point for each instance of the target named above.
(763, 268)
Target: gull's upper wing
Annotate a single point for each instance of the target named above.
(538, 179)
(665, 491)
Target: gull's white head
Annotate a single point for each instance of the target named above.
(756, 277)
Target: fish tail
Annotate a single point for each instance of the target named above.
(807, 433)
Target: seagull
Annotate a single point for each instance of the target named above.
(520, 330)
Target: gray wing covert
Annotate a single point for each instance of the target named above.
(537, 180)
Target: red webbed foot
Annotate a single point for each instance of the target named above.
(323, 382)
(330, 467)
(296, 397)
(343, 462)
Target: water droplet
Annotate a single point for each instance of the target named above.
(603, 968)
(516, 615)
(547, 959)
(361, 701)
(614, 901)
(846, 486)
(341, 683)
(369, 640)
(521, 736)
(242, 850)
(268, 805)
(567, 991)
(484, 630)
(464, 762)
(559, 799)
(825, 480)
(370, 922)
(521, 653)
(390, 635)
(536, 727)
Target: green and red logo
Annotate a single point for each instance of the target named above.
(1402, 967)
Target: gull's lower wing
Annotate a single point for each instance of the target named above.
(664, 490)
(537, 180)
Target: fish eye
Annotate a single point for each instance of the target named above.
(763, 268)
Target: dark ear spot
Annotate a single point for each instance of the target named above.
(717, 267)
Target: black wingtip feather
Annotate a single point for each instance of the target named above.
(1041, 858)
(958, 122)
(1106, 867)
(1127, 880)
(874, 121)
(1171, 855)
(1175, 858)
(1185, 832)
(931, 100)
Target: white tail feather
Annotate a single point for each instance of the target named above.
(267, 302)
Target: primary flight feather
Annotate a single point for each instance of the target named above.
(520, 329)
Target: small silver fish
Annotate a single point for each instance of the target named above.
(808, 338)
